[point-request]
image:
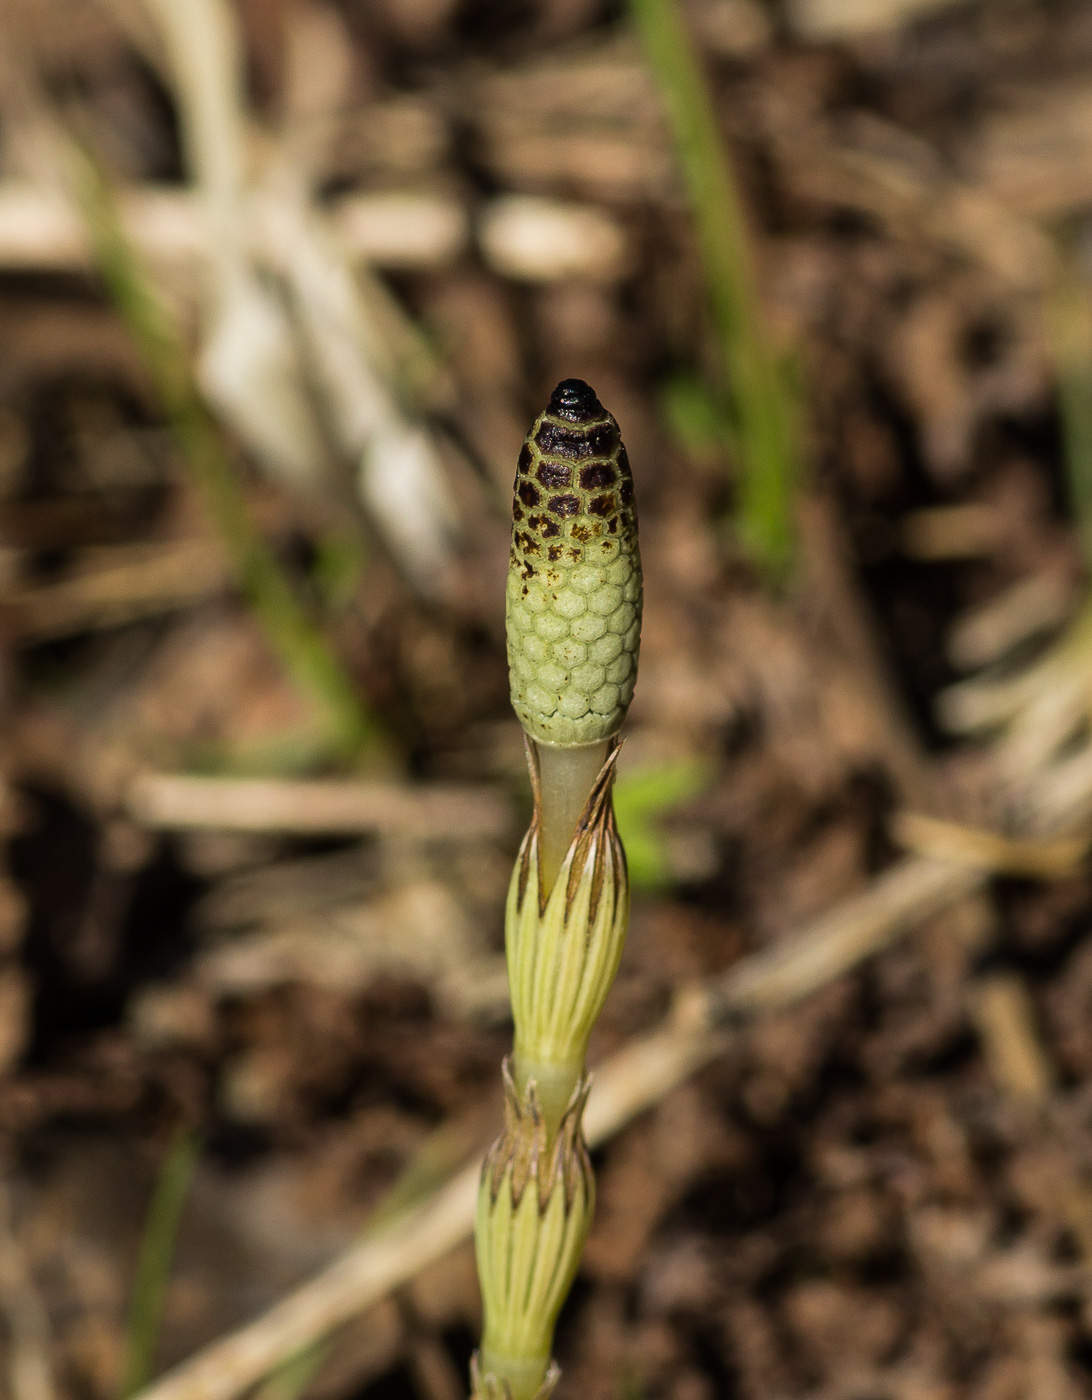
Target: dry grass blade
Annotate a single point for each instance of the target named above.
(253, 363)
(203, 48)
(119, 585)
(980, 849)
(1002, 1011)
(30, 1372)
(897, 900)
(172, 801)
(1025, 609)
(841, 19)
(399, 475)
(952, 532)
(1046, 703)
(1005, 1016)
(396, 229)
(249, 366)
(1038, 708)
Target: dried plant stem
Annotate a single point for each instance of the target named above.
(757, 383)
(1003, 1012)
(301, 647)
(186, 802)
(125, 582)
(29, 1361)
(39, 232)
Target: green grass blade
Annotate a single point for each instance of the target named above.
(641, 797)
(1070, 322)
(154, 1261)
(300, 646)
(293, 1376)
(759, 389)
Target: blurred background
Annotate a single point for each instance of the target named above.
(283, 284)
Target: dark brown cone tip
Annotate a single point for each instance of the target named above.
(576, 402)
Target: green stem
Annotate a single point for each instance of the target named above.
(154, 1261)
(566, 777)
(1070, 323)
(757, 382)
(302, 649)
(555, 1081)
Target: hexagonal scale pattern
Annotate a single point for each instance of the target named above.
(574, 577)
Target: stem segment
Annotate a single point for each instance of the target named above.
(566, 776)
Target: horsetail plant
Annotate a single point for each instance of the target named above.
(574, 626)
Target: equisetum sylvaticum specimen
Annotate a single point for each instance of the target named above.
(574, 626)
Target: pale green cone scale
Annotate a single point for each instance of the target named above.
(574, 577)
